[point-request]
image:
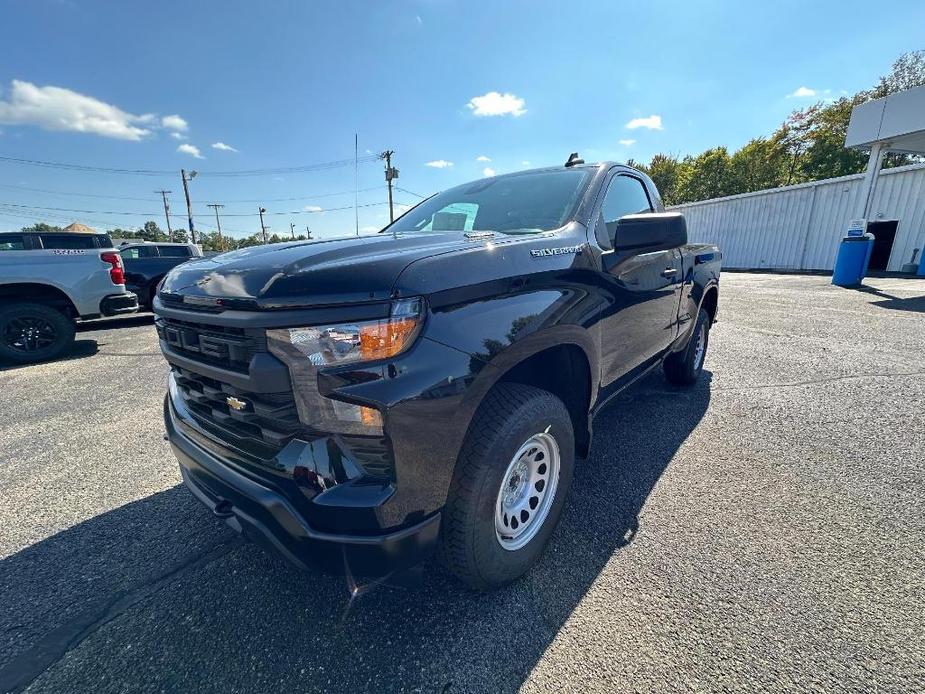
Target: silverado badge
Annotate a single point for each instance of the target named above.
(562, 250)
(235, 404)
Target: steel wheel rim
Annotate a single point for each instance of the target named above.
(527, 492)
(700, 347)
(29, 334)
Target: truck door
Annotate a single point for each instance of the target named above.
(643, 287)
(141, 264)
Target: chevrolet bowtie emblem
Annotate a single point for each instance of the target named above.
(235, 404)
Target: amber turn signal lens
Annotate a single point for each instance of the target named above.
(370, 417)
(386, 338)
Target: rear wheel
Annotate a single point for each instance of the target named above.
(684, 367)
(33, 332)
(509, 486)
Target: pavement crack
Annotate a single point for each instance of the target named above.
(29, 665)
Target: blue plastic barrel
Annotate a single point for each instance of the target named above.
(851, 261)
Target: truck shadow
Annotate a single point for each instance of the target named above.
(131, 321)
(158, 594)
(915, 304)
(81, 349)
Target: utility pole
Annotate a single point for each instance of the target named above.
(308, 233)
(292, 230)
(390, 175)
(189, 207)
(218, 224)
(263, 228)
(164, 194)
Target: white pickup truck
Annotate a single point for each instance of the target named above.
(50, 280)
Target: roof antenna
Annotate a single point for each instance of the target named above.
(574, 160)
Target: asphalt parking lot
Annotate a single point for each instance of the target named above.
(762, 531)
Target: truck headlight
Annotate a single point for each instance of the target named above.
(307, 349)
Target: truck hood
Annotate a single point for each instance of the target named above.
(343, 270)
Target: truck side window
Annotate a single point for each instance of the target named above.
(625, 195)
(174, 251)
(11, 242)
(134, 252)
(67, 241)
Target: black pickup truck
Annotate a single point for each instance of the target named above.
(147, 263)
(359, 402)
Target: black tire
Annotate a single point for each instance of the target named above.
(33, 332)
(684, 368)
(510, 416)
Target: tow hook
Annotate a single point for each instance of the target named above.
(223, 509)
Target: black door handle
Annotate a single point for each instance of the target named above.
(669, 272)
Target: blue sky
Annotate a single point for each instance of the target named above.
(125, 84)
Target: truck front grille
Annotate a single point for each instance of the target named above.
(229, 348)
(259, 424)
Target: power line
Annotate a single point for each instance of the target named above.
(68, 209)
(411, 192)
(156, 172)
(154, 214)
(33, 216)
(79, 195)
(140, 199)
(81, 167)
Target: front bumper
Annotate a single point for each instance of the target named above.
(263, 515)
(119, 304)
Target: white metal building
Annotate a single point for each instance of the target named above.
(799, 227)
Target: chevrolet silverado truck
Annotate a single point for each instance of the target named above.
(361, 402)
(49, 280)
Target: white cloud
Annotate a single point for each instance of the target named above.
(178, 136)
(627, 143)
(192, 150)
(802, 93)
(482, 157)
(439, 164)
(488, 171)
(222, 146)
(525, 163)
(652, 123)
(496, 104)
(370, 229)
(174, 122)
(313, 208)
(57, 108)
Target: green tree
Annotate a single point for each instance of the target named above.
(761, 163)
(708, 175)
(39, 227)
(666, 172)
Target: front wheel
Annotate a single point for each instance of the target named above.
(33, 332)
(509, 486)
(683, 368)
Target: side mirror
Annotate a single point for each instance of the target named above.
(649, 232)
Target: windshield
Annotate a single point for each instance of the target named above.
(522, 203)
